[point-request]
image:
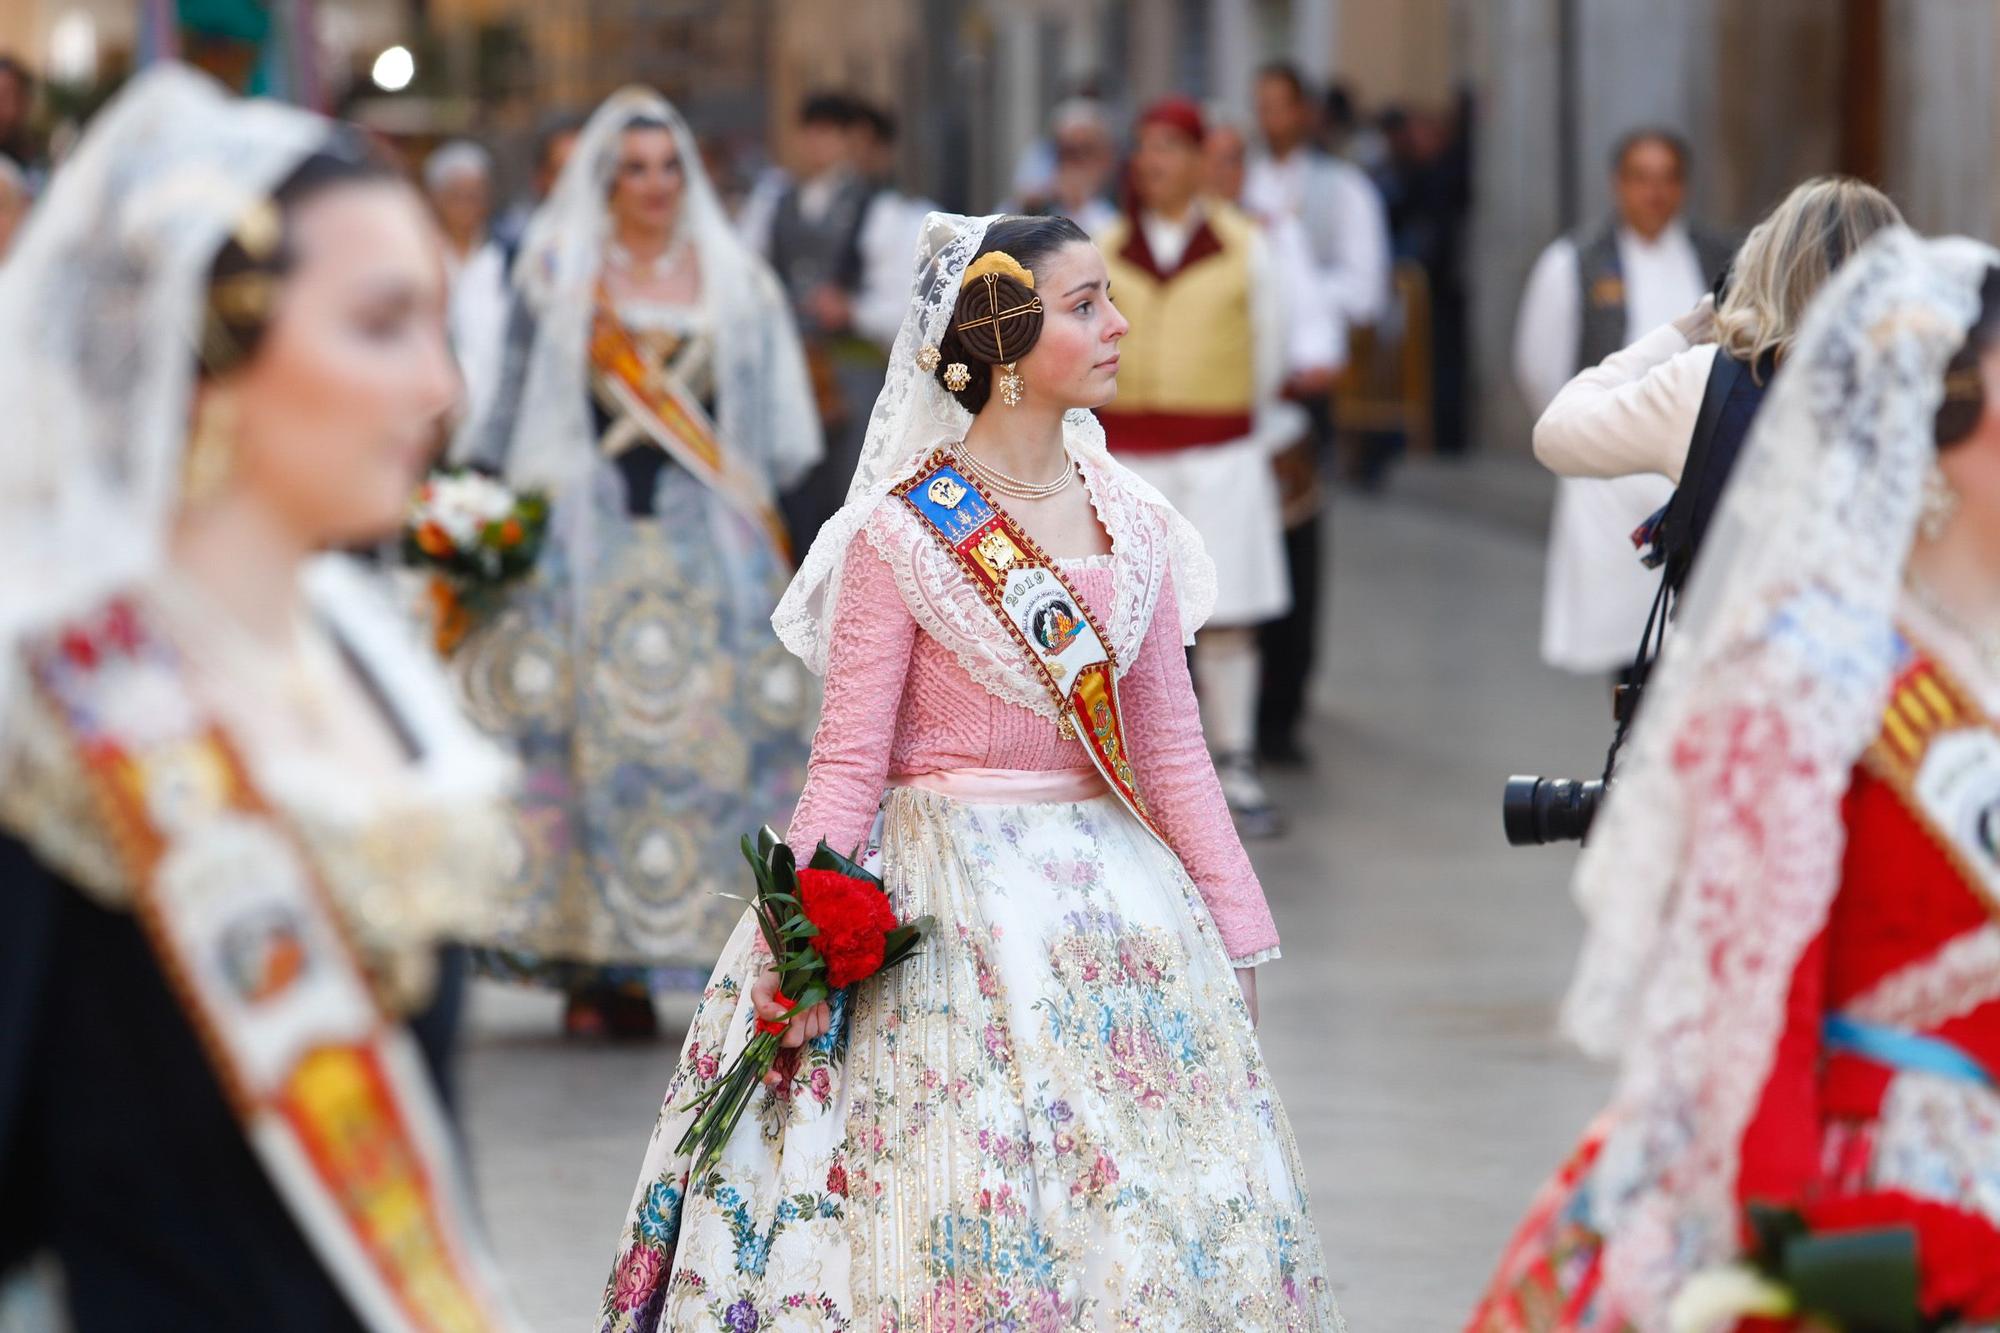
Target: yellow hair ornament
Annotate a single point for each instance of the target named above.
(998, 261)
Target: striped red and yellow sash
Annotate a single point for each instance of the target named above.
(332, 1094)
(1053, 627)
(1940, 754)
(678, 424)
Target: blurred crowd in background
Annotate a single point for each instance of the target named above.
(1401, 346)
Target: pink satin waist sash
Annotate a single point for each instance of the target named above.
(1008, 786)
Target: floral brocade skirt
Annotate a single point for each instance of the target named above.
(1055, 1116)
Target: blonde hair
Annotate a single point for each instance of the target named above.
(1789, 255)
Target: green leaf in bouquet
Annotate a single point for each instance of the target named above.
(1866, 1281)
(765, 925)
(825, 858)
(901, 942)
(768, 841)
(804, 970)
(784, 870)
(760, 872)
(1772, 1229)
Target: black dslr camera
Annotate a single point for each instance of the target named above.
(1536, 811)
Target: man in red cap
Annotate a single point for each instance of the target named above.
(1199, 413)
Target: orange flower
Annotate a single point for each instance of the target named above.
(450, 616)
(510, 533)
(433, 540)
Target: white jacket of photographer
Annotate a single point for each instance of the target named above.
(1634, 414)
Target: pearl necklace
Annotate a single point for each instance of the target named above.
(665, 262)
(1014, 486)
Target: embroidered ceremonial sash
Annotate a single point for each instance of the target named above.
(333, 1095)
(1052, 625)
(1940, 754)
(677, 423)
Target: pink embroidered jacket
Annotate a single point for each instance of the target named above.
(898, 701)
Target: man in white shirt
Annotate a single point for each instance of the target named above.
(1342, 212)
(458, 177)
(1346, 226)
(1199, 413)
(1590, 295)
(833, 234)
(1315, 337)
(1315, 351)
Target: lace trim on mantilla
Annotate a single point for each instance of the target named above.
(948, 608)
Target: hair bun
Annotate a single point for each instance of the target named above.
(998, 318)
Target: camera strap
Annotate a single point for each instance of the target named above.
(1680, 531)
(1694, 498)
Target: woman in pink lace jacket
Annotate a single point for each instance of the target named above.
(1057, 1115)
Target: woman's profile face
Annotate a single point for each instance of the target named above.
(647, 184)
(334, 418)
(1075, 361)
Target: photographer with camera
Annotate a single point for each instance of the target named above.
(1678, 404)
(1637, 412)
(1792, 946)
(1592, 292)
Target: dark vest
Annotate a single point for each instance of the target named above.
(807, 254)
(1601, 282)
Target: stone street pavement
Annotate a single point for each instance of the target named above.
(1408, 1026)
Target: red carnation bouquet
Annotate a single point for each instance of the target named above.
(828, 925)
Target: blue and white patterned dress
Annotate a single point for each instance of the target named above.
(657, 716)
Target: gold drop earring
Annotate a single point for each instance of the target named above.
(211, 450)
(1012, 385)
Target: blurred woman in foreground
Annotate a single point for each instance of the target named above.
(237, 808)
(1793, 892)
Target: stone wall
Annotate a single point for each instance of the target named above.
(1939, 155)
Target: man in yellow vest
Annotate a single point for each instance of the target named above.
(1198, 413)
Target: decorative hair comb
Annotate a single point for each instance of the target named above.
(1001, 263)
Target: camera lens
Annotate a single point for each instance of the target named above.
(1537, 811)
